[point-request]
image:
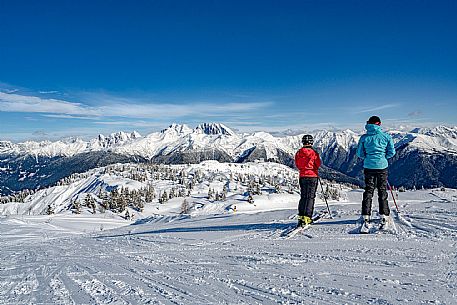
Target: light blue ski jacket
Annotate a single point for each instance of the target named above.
(375, 147)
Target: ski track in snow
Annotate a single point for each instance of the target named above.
(236, 259)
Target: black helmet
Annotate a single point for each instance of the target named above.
(307, 139)
(374, 120)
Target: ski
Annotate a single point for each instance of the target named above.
(391, 229)
(366, 228)
(293, 231)
(376, 227)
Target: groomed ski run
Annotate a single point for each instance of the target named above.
(232, 258)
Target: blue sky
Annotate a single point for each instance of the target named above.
(79, 68)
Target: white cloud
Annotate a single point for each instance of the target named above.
(120, 107)
(156, 125)
(24, 103)
(48, 92)
(377, 108)
(68, 116)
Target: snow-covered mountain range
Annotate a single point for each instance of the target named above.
(179, 137)
(31, 164)
(68, 147)
(170, 140)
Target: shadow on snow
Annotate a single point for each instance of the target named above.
(228, 228)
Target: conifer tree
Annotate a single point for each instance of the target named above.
(257, 189)
(172, 193)
(76, 207)
(164, 197)
(277, 188)
(50, 210)
(185, 207)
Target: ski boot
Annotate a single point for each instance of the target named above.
(303, 221)
(385, 219)
(366, 226)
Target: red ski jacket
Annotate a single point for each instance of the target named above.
(307, 162)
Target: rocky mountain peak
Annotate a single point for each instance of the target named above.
(179, 129)
(214, 129)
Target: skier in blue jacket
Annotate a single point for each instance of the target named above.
(375, 147)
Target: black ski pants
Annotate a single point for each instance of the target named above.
(375, 179)
(308, 187)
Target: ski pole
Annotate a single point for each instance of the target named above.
(393, 197)
(325, 197)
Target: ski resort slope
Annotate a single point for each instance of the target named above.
(233, 258)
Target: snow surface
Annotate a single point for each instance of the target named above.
(107, 178)
(218, 256)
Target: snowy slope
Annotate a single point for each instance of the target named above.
(215, 175)
(60, 197)
(431, 140)
(233, 258)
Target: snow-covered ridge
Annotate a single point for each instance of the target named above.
(69, 147)
(439, 131)
(330, 139)
(437, 139)
(114, 139)
(216, 136)
(177, 129)
(126, 176)
(6, 146)
(214, 129)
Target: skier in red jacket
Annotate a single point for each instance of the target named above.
(308, 162)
